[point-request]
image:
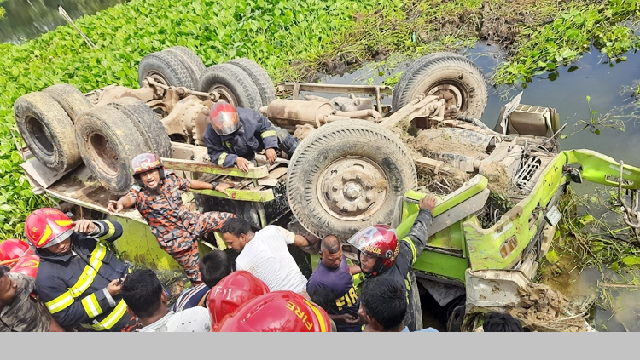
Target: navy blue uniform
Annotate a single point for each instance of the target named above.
(256, 133)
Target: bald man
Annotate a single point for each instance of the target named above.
(331, 286)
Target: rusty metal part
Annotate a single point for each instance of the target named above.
(352, 188)
(288, 113)
(188, 114)
(362, 114)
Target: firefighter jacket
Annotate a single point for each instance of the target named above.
(256, 133)
(73, 286)
(411, 247)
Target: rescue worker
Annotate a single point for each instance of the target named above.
(383, 306)
(79, 278)
(278, 311)
(158, 198)
(214, 266)
(20, 308)
(236, 134)
(334, 278)
(144, 296)
(231, 292)
(381, 254)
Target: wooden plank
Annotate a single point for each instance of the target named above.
(336, 88)
(241, 195)
(209, 168)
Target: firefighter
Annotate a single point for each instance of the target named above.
(78, 276)
(158, 198)
(236, 134)
(231, 292)
(277, 311)
(381, 254)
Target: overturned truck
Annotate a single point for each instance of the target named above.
(359, 163)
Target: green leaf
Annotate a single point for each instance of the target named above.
(552, 257)
(588, 98)
(631, 260)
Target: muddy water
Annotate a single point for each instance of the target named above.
(26, 19)
(565, 91)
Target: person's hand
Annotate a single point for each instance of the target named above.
(270, 153)
(114, 206)
(348, 319)
(84, 226)
(223, 186)
(428, 202)
(114, 287)
(242, 164)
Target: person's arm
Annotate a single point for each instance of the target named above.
(354, 269)
(201, 185)
(216, 151)
(125, 202)
(107, 230)
(68, 311)
(419, 233)
(267, 132)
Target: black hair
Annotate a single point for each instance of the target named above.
(384, 299)
(214, 266)
(237, 226)
(501, 322)
(331, 244)
(324, 297)
(3, 270)
(141, 292)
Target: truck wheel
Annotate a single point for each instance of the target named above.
(166, 68)
(233, 86)
(71, 99)
(453, 75)
(45, 127)
(147, 123)
(108, 141)
(260, 78)
(347, 175)
(402, 82)
(190, 60)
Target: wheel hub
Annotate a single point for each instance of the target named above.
(224, 94)
(352, 188)
(157, 77)
(452, 94)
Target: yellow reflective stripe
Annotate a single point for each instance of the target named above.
(91, 306)
(268, 133)
(227, 144)
(112, 230)
(60, 303)
(113, 318)
(221, 158)
(319, 316)
(89, 273)
(413, 248)
(84, 281)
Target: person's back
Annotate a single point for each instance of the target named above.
(501, 322)
(268, 258)
(144, 296)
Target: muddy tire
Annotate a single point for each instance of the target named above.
(47, 130)
(108, 141)
(167, 68)
(71, 99)
(190, 60)
(452, 73)
(233, 85)
(347, 175)
(148, 125)
(416, 64)
(259, 76)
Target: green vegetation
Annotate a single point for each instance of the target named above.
(608, 26)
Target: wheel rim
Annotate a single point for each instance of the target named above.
(101, 152)
(352, 188)
(224, 93)
(457, 97)
(158, 77)
(39, 134)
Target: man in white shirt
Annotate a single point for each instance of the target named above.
(145, 298)
(265, 254)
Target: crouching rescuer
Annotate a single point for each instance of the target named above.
(79, 278)
(158, 198)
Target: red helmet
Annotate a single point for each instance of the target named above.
(47, 227)
(145, 162)
(224, 118)
(234, 290)
(378, 241)
(27, 265)
(12, 249)
(277, 311)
